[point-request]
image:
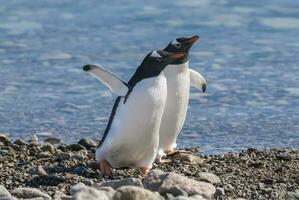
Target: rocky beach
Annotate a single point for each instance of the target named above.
(53, 170)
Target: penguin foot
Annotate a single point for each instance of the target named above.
(105, 168)
(144, 171)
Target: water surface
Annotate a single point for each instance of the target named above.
(248, 53)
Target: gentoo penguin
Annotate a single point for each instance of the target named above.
(179, 78)
(131, 138)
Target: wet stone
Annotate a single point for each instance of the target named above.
(34, 140)
(19, 142)
(26, 193)
(4, 139)
(120, 182)
(4, 192)
(87, 143)
(133, 192)
(76, 147)
(49, 147)
(53, 140)
(284, 156)
(208, 177)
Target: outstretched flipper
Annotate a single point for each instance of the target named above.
(113, 82)
(197, 80)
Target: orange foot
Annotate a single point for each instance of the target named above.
(144, 171)
(105, 168)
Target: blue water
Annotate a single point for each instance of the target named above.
(248, 52)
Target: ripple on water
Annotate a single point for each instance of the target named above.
(281, 22)
(20, 27)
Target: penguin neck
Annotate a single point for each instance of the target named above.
(177, 68)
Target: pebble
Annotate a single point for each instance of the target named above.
(4, 192)
(34, 140)
(187, 158)
(76, 147)
(53, 140)
(27, 193)
(208, 177)
(134, 193)
(120, 182)
(49, 147)
(284, 156)
(20, 142)
(63, 156)
(154, 180)
(40, 171)
(4, 139)
(219, 191)
(87, 143)
(175, 181)
(61, 196)
(83, 192)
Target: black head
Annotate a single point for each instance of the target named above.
(153, 64)
(181, 45)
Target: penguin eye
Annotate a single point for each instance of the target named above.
(177, 45)
(159, 58)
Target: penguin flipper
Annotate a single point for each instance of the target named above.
(112, 81)
(197, 80)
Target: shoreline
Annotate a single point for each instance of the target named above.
(53, 168)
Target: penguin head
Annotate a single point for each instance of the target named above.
(153, 64)
(157, 60)
(181, 45)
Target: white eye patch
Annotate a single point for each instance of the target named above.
(155, 54)
(174, 42)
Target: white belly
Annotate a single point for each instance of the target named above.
(133, 138)
(178, 86)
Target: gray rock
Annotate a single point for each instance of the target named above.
(195, 197)
(88, 182)
(154, 180)
(135, 193)
(52, 140)
(19, 142)
(87, 143)
(26, 193)
(4, 139)
(76, 147)
(284, 156)
(34, 140)
(108, 190)
(229, 187)
(4, 192)
(219, 191)
(293, 195)
(50, 148)
(209, 177)
(187, 158)
(61, 196)
(80, 155)
(63, 156)
(83, 192)
(40, 171)
(175, 181)
(7, 198)
(120, 182)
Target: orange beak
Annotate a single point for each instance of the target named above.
(192, 39)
